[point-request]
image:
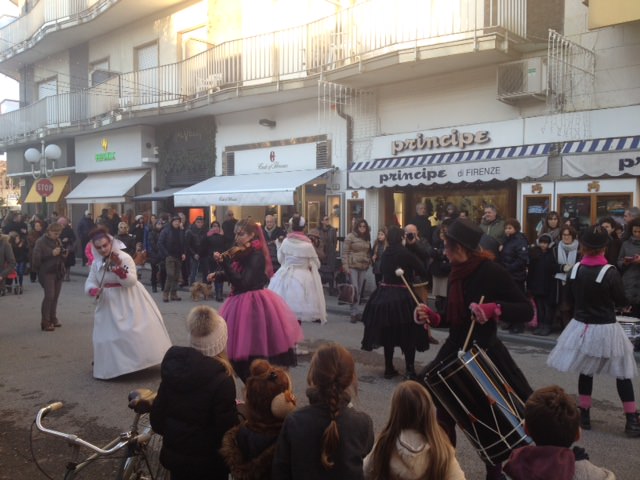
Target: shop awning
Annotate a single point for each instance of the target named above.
(254, 189)
(159, 195)
(58, 182)
(452, 167)
(109, 187)
(603, 156)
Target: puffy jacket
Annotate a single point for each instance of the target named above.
(514, 256)
(356, 252)
(194, 408)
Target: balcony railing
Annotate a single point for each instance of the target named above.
(366, 31)
(46, 15)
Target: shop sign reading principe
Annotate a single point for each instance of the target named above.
(454, 139)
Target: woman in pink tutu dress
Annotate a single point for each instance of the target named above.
(260, 323)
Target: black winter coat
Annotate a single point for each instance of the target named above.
(514, 256)
(194, 408)
(171, 242)
(248, 272)
(541, 280)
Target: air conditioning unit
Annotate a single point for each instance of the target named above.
(522, 80)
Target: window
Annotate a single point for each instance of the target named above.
(48, 88)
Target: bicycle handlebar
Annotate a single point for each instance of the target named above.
(74, 439)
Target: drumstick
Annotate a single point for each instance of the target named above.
(400, 273)
(473, 324)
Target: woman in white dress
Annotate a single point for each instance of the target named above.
(128, 332)
(298, 280)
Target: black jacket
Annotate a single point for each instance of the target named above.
(541, 274)
(194, 240)
(171, 242)
(250, 274)
(423, 224)
(195, 406)
(397, 256)
(515, 255)
(595, 302)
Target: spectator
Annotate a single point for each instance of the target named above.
(551, 226)
(229, 228)
(514, 252)
(491, 224)
(48, 260)
(298, 281)
(423, 251)
(329, 241)
(440, 269)
(273, 235)
(356, 259)
(126, 238)
(194, 240)
(421, 221)
(615, 243)
(629, 264)
(137, 230)
(412, 444)
(156, 260)
(594, 342)
(69, 244)
(34, 234)
(329, 438)
(379, 246)
(114, 221)
(628, 215)
(172, 249)
(7, 261)
(541, 283)
(248, 448)
(567, 255)
(553, 422)
(21, 254)
(85, 225)
(16, 224)
(215, 243)
(196, 401)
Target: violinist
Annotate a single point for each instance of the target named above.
(48, 260)
(260, 323)
(128, 331)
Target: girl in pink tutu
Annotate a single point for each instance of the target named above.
(260, 323)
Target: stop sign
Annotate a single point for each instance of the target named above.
(44, 187)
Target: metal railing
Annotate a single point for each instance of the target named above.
(46, 15)
(353, 35)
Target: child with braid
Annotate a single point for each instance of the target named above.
(327, 439)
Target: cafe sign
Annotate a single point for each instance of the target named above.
(454, 139)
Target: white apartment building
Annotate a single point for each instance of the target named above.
(339, 108)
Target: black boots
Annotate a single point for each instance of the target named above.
(585, 419)
(632, 427)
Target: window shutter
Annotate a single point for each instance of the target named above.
(323, 154)
(229, 163)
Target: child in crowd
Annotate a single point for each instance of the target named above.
(378, 249)
(541, 283)
(328, 438)
(552, 419)
(21, 253)
(412, 445)
(248, 448)
(196, 401)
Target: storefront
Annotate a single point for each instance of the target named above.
(47, 194)
(278, 179)
(119, 164)
(469, 167)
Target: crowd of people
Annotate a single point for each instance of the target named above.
(484, 277)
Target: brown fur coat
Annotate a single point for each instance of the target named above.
(256, 468)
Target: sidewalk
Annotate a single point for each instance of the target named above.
(333, 307)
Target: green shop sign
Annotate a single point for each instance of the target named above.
(105, 156)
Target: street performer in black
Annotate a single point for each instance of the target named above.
(481, 291)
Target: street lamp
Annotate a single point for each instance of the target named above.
(43, 186)
(51, 152)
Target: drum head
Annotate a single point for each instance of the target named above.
(623, 319)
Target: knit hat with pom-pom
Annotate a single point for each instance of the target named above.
(268, 394)
(207, 331)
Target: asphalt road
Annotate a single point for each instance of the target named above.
(40, 367)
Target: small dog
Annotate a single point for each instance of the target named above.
(201, 290)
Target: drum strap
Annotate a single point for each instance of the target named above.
(599, 278)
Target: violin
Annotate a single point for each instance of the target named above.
(114, 259)
(235, 251)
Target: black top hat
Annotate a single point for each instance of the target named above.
(594, 237)
(465, 232)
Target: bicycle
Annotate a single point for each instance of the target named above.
(140, 444)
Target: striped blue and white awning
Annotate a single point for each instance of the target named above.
(602, 156)
(459, 166)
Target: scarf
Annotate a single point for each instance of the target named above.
(299, 236)
(456, 309)
(594, 261)
(567, 254)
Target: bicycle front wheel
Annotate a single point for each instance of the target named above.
(144, 464)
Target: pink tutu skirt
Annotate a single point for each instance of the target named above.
(260, 324)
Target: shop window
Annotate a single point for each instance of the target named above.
(399, 215)
(355, 211)
(585, 210)
(536, 208)
(334, 211)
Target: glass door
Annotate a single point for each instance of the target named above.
(536, 208)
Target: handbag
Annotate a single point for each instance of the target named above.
(346, 291)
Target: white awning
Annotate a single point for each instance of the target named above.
(110, 187)
(274, 188)
(159, 195)
(452, 167)
(603, 156)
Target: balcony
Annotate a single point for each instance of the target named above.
(56, 25)
(370, 44)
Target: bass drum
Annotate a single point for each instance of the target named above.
(631, 327)
(482, 403)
